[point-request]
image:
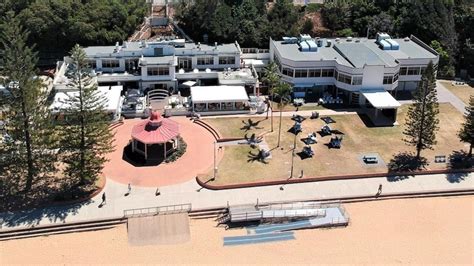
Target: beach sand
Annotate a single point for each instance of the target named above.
(428, 231)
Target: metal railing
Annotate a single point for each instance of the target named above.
(170, 209)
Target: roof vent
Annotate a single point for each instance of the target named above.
(199, 45)
(329, 42)
(357, 40)
(349, 39)
(407, 39)
(337, 39)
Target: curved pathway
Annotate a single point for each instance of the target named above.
(198, 158)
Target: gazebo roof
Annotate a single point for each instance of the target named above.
(156, 129)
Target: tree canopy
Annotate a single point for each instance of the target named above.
(55, 26)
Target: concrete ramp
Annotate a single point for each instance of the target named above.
(163, 229)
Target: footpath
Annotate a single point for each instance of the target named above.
(191, 192)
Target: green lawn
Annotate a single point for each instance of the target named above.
(237, 166)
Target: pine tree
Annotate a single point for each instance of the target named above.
(28, 157)
(282, 91)
(86, 137)
(466, 134)
(422, 122)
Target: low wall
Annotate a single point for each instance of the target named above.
(326, 178)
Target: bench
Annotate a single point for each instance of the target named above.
(440, 159)
(370, 159)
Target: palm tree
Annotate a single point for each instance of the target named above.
(271, 77)
(283, 91)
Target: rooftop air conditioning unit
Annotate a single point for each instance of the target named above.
(349, 39)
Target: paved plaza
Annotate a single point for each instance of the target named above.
(197, 159)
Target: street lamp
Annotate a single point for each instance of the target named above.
(215, 166)
(293, 154)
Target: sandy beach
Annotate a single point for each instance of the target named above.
(417, 231)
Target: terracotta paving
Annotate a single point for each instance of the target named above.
(198, 158)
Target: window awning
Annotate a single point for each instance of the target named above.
(216, 94)
(380, 98)
(189, 83)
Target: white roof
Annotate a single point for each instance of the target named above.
(212, 94)
(111, 96)
(380, 98)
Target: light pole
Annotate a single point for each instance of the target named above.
(215, 166)
(293, 155)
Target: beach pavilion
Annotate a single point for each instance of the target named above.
(156, 137)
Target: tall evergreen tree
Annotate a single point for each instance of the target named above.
(422, 122)
(27, 157)
(466, 134)
(282, 91)
(86, 138)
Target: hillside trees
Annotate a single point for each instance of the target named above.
(56, 25)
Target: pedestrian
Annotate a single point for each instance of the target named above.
(301, 173)
(129, 188)
(157, 192)
(379, 190)
(104, 200)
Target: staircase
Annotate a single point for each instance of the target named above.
(56, 229)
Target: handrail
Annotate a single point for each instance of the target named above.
(169, 209)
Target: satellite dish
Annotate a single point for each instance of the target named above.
(181, 71)
(208, 70)
(196, 70)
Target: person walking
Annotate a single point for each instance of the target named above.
(104, 199)
(129, 188)
(157, 192)
(379, 191)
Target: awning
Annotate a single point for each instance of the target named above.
(380, 98)
(189, 83)
(217, 94)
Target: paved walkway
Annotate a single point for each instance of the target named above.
(446, 96)
(191, 192)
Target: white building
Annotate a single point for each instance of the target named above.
(168, 64)
(350, 69)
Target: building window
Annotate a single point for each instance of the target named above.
(327, 73)
(395, 78)
(422, 70)
(110, 63)
(287, 71)
(357, 80)
(185, 62)
(204, 61)
(158, 71)
(226, 60)
(301, 73)
(344, 78)
(92, 64)
(387, 79)
(314, 73)
(413, 71)
(403, 71)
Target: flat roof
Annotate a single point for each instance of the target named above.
(291, 51)
(216, 94)
(221, 48)
(110, 94)
(410, 50)
(352, 53)
(364, 53)
(380, 98)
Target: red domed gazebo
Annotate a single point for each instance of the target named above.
(157, 133)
